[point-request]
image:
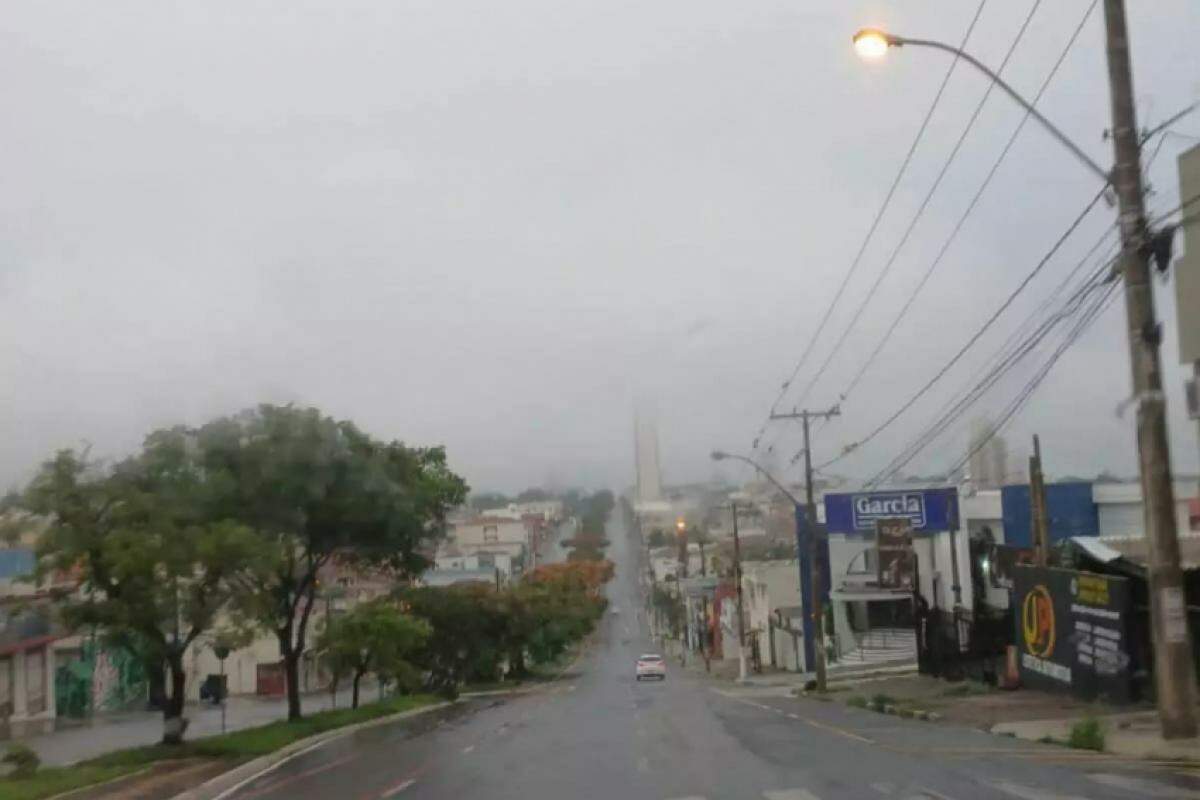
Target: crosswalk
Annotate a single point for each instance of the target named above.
(1114, 785)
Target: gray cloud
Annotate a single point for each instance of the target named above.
(497, 225)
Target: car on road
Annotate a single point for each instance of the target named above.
(651, 665)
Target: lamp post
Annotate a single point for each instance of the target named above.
(816, 593)
(873, 44)
(1175, 676)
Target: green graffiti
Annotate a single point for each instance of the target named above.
(112, 675)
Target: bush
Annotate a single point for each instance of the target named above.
(881, 700)
(857, 701)
(1087, 734)
(25, 762)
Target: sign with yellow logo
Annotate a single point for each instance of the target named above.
(1037, 622)
(1072, 632)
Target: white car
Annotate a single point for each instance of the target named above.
(650, 665)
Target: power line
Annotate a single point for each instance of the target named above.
(920, 210)
(938, 426)
(982, 329)
(871, 230)
(974, 200)
(1019, 402)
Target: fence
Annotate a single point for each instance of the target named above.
(961, 644)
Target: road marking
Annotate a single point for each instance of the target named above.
(397, 789)
(790, 794)
(643, 764)
(468, 748)
(1031, 793)
(806, 720)
(1141, 787)
(793, 716)
(286, 780)
(928, 794)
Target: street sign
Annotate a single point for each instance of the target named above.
(928, 510)
(893, 545)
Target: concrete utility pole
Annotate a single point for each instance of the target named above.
(737, 577)
(817, 591)
(1174, 673)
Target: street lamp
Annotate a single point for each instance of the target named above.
(873, 44)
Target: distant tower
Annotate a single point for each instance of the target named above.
(989, 462)
(645, 450)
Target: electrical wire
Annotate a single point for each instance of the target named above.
(1087, 209)
(970, 207)
(1019, 402)
(1100, 278)
(871, 230)
(920, 212)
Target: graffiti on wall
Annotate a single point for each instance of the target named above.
(110, 674)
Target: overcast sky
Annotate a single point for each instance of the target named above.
(498, 226)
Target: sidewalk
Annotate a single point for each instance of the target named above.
(1133, 735)
(110, 732)
(1131, 732)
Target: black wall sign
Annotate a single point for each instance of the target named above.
(1073, 631)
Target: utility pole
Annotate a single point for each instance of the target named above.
(817, 591)
(1039, 522)
(737, 577)
(1175, 678)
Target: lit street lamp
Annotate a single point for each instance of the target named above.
(1174, 672)
(873, 44)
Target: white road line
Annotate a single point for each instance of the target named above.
(397, 790)
(1032, 793)
(643, 764)
(790, 794)
(689, 797)
(468, 749)
(884, 788)
(793, 716)
(1141, 787)
(926, 794)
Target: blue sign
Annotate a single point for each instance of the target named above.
(1070, 510)
(928, 509)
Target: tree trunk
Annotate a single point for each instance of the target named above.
(174, 723)
(291, 645)
(354, 696)
(156, 679)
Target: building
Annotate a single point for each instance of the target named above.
(771, 596)
(493, 535)
(645, 447)
(987, 461)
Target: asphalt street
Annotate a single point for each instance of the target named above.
(598, 733)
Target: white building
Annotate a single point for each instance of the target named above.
(774, 615)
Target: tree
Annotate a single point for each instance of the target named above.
(657, 538)
(310, 488)
(534, 495)
(372, 637)
(155, 572)
(487, 501)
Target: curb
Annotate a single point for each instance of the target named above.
(227, 783)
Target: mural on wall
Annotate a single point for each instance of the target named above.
(111, 674)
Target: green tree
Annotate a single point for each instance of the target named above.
(487, 501)
(311, 487)
(657, 538)
(372, 637)
(154, 570)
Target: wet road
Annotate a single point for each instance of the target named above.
(599, 734)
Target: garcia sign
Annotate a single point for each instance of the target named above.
(927, 509)
(1073, 632)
